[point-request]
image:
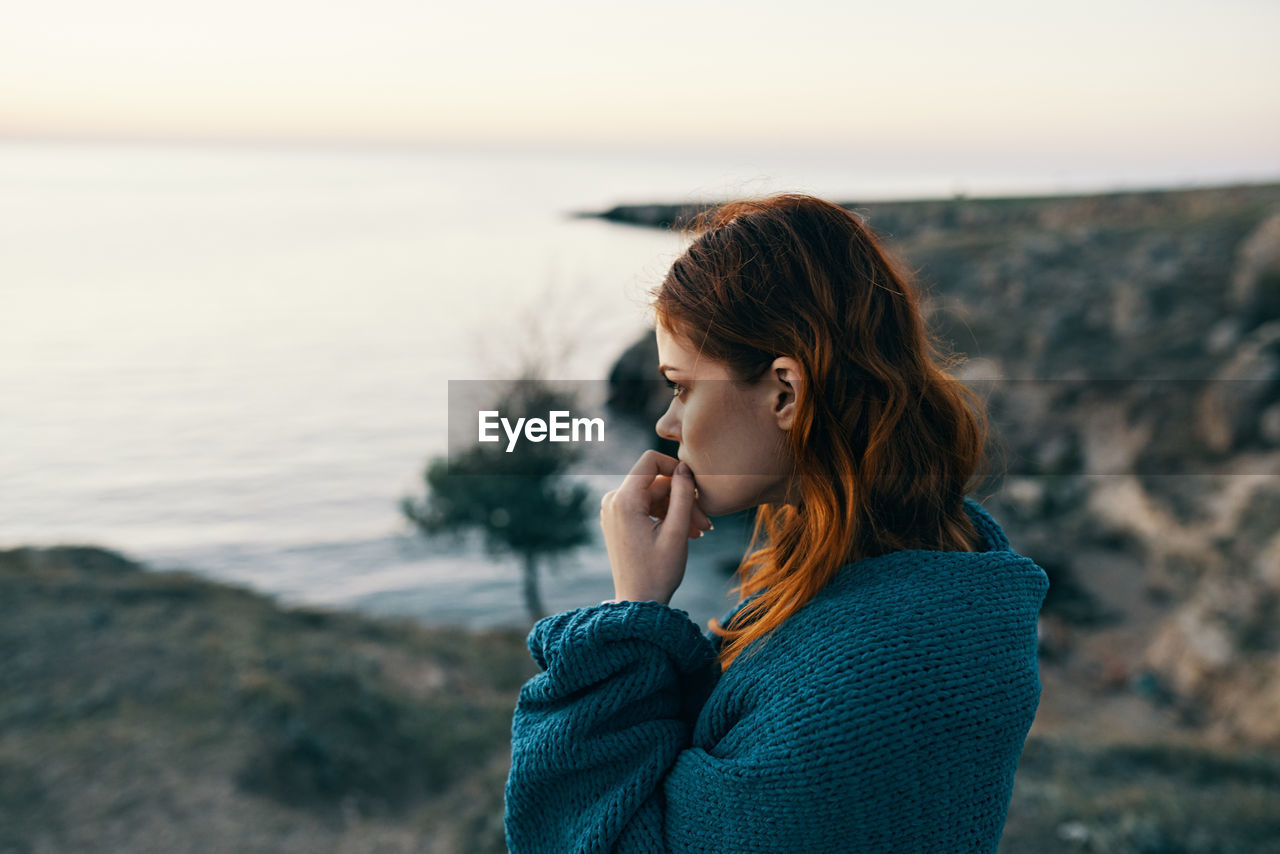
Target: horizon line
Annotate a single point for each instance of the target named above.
(1036, 188)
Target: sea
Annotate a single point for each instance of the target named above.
(234, 360)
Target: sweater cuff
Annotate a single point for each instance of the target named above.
(585, 638)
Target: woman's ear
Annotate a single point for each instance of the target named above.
(786, 385)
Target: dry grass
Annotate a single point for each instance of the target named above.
(158, 712)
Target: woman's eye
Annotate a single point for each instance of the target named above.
(676, 389)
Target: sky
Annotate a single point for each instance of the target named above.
(1189, 80)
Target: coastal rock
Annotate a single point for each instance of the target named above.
(1218, 654)
(1219, 649)
(634, 390)
(1203, 638)
(69, 558)
(1266, 565)
(1231, 408)
(1127, 348)
(1255, 282)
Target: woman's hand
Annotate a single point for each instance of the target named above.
(648, 558)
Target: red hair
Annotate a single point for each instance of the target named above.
(885, 443)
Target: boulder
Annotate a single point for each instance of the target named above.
(1231, 409)
(1255, 280)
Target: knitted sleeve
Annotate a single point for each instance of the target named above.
(595, 733)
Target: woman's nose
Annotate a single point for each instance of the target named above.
(668, 426)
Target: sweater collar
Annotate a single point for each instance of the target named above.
(993, 538)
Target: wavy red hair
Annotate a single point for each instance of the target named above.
(885, 444)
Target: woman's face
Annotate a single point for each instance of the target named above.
(732, 437)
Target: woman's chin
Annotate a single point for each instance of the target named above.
(714, 504)
(722, 495)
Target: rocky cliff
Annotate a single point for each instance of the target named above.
(1128, 348)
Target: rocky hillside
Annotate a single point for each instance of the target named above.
(1128, 347)
(156, 712)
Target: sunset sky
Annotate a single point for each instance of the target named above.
(1190, 81)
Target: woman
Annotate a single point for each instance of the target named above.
(873, 689)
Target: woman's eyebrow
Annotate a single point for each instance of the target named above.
(662, 369)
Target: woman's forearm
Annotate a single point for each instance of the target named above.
(595, 733)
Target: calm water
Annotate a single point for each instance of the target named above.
(235, 360)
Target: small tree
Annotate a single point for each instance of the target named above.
(521, 502)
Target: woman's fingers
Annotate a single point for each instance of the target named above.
(647, 558)
(650, 483)
(679, 501)
(659, 499)
(658, 492)
(646, 470)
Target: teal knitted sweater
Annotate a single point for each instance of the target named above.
(887, 714)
